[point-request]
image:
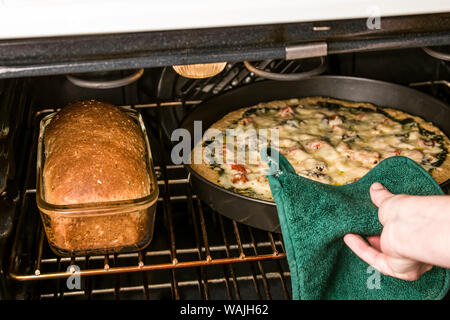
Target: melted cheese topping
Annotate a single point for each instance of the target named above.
(326, 142)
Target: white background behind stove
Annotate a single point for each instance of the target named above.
(42, 18)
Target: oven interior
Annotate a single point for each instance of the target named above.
(195, 252)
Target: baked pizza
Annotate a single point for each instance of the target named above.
(328, 140)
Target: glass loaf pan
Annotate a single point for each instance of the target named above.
(98, 228)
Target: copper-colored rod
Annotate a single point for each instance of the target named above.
(281, 242)
(173, 181)
(203, 228)
(87, 282)
(157, 253)
(39, 253)
(227, 282)
(38, 113)
(106, 263)
(166, 104)
(283, 281)
(141, 263)
(272, 244)
(176, 198)
(280, 271)
(252, 269)
(206, 245)
(58, 282)
(61, 286)
(170, 166)
(141, 259)
(168, 211)
(20, 221)
(145, 285)
(260, 267)
(162, 266)
(238, 239)
(227, 252)
(200, 271)
(255, 281)
(117, 280)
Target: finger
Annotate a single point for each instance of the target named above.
(374, 242)
(407, 269)
(379, 194)
(411, 270)
(368, 254)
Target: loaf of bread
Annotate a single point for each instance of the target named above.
(94, 152)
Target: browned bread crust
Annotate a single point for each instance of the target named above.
(94, 153)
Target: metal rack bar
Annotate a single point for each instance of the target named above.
(136, 268)
(58, 282)
(255, 280)
(283, 281)
(227, 282)
(227, 252)
(39, 253)
(87, 282)
(162, 286)
(204, 233)
(238, 240)
(216, 248)
(60, 287)
(198, 89)
(141, 263)
(206, 246)
(106, 263)
(260, 267)
(224, 85)
(242, 254)
(234, 80)
(200, 271)
(280, 271)
(116, 280)
(168, 215)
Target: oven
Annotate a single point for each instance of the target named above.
(196, 252)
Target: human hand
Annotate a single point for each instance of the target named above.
(401, 215)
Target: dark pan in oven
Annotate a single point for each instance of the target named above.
(260, 213)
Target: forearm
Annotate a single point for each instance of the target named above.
(422, 229)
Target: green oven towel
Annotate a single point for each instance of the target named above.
(315, 217)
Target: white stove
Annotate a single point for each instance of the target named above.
(48, 18)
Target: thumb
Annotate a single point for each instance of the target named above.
(379, 194)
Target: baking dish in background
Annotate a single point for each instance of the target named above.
(97, 228)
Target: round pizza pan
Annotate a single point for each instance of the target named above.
(263, 214)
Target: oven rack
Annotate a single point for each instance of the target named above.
(219, 251)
